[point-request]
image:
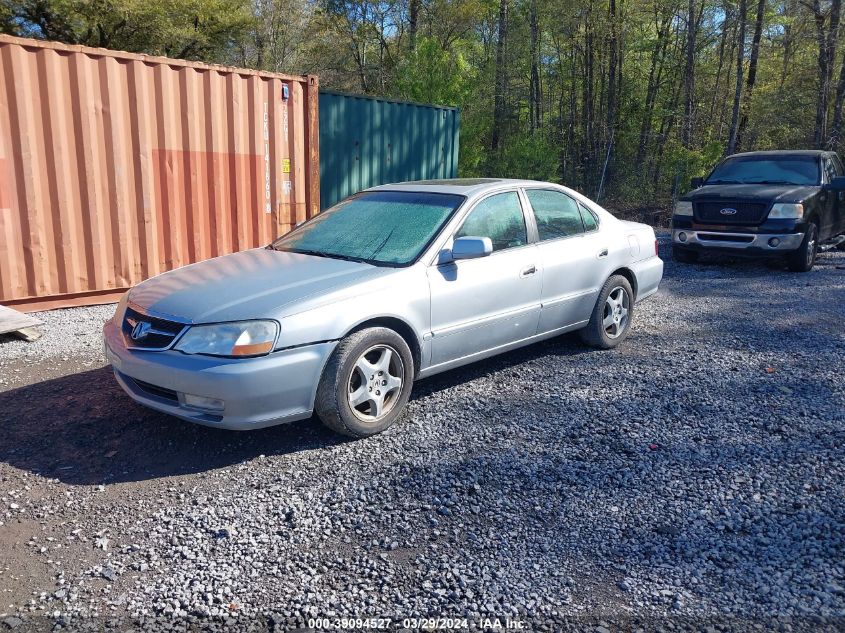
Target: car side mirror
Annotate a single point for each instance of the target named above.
(471, 247)
(696, 182)
(837, 184)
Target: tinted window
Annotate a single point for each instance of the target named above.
(589, 220)
(790, 170)
(389, 227)
(829, 169)
(498, 217)
(557, 214)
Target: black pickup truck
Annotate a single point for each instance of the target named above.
(778, 204)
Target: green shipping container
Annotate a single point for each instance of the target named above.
(367, 141)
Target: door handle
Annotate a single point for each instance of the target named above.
(530, 270)
(602, 253)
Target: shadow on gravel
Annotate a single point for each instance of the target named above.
(83, 430)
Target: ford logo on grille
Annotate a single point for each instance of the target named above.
(141, 329)
(727, 211)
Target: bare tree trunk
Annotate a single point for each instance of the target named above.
(657, 57)
(689, 76)
(740, 58)
(723, 40)
(534, 96)
(791, 8)
(835, 137)
(752, 73)
(501, 78)
(413, 21)
(827, 55)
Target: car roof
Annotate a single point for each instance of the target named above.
(784, 152)
(461, 186)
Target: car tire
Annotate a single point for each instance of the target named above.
(804, 258)
(608, 325)
(684, 255)
(353, 398)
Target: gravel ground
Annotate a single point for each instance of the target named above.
(693, 477)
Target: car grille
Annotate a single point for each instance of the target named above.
(710, 212)
(155, 390)
(160, 333)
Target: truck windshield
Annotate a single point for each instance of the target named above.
(787, 170)
(378, 227)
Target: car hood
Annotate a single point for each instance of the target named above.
(247, 285)
(753, 193)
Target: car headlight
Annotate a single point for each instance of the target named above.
(787, 210)
(240, 338)
(683, 207)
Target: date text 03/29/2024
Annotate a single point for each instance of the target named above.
(424, 624)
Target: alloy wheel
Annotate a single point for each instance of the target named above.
(616, 309)
(375, 383)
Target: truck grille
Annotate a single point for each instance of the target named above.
(710, 212)
(159, 333)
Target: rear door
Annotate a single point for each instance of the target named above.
(575, 255)
(485, 303)
(837, 197)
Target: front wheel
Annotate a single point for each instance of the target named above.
(366, 383)
(803, 259)
(611, 319)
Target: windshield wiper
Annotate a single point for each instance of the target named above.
(724, 182)
(773, 182)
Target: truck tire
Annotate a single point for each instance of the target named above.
(684, 255)
(366, 383)
(804, 257)
(611, 319)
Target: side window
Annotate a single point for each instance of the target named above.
(829, 169)
(557, 214)
(838, 165)
(589, 220)
(498, 217)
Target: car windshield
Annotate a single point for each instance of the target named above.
(379, 227)
(787, 170)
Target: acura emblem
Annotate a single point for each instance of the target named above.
(728, 211)
(141, 329)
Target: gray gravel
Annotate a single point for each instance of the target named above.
(695, 472)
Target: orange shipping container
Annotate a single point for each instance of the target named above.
(115, 167)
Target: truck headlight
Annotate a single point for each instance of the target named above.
(787, 210)
(240, 338)
(683, 207)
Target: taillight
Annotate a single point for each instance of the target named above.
(656, 247)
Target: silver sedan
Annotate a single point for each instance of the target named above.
(341, 315)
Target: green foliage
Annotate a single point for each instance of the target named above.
(191, 29)
(431, 74)
(526, 156)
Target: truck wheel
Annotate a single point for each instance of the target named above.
(684, 255)
(803, 259)
(611, 319)
(366, 383)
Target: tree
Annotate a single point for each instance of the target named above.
(740, 56)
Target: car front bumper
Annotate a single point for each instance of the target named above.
(741, 243)
(256, 392)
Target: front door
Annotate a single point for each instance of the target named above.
(485, 303)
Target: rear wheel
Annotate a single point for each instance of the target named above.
(803, 259)
(366, 383)
(684, 255)
(611, 319)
